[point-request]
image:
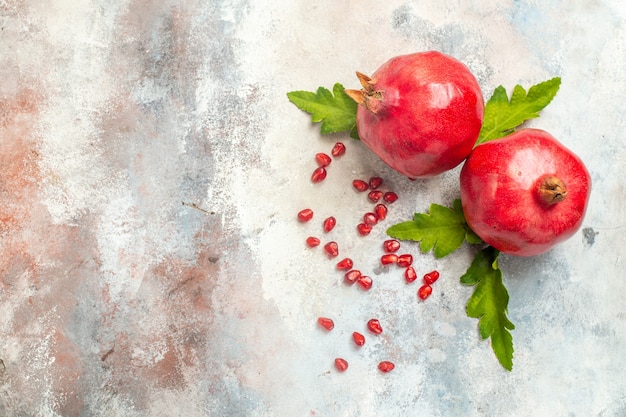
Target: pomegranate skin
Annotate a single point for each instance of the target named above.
(505, 198)
(424, 114)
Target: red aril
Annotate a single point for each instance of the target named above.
(410, 275)
(374, 326)
(389, 258)
(405, 260)
(365, 282)
(338, 150)
(312, 241)
(329, 224)
(386, 366)
(370, 218)
(424, 291)
(363, 229)
(344, 264)
(360, 185)
(375, 182)
(420, 113)
(341, 364)
(326, 323)
(305, 215)
(431, 277)
(319, 174)
(352, 276)
(391, 245)
(374, 195)
(358, 338)
(331, 249)
(381, 211)
(322, 159)
(390, 197)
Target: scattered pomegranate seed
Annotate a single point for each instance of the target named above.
(370, 218)
(375, 195)
(381, 211)
(431, 277)
(322, 159)
(319, 174)
(375, 182)
(329, 224)
(305, 215)
(312, 241)
(405, 260)
(364, 229)
(341, 364)
(390, 197)
(338, 150)
(358, 338)
(365, 282)
(332, 249)
(410, 275)
(344, 264)
(391, 245)
(374, 326)
(326, 323)
(352, 276)
(389, 258)
(386, 366)
(424, 291)
(360, 185)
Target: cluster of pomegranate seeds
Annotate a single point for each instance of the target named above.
(426, 290)
(323, 161)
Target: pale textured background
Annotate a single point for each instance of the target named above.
(118, 300)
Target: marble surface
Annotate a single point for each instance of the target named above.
(151, 169)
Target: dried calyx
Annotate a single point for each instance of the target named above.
(368, 96)
(551, 190)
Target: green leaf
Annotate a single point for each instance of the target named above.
(443, 229)
(335, 110)
(489, 304)
(503, 116)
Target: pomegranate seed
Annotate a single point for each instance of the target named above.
(326, 323)
(332, 249)
(375, 195)
(388, 258)
(305, 215)
(381, 211)
(365, 282)
(319, 174)
(386, 366)
(329, 224)
(312, 241)
(360, 185)
(390, 197)
(341, 364)
(352, 276)
(338, 150)
(391, 245)
(370, 218)
(405, 260)
(431, 277)
(410, 275)
(364, 229)
(344, 264)
(375, 182)
(322, 159)
(358, 338)
(424, 291)
(374, 326)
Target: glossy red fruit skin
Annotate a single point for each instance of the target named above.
(428, 114)
(500, 184)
